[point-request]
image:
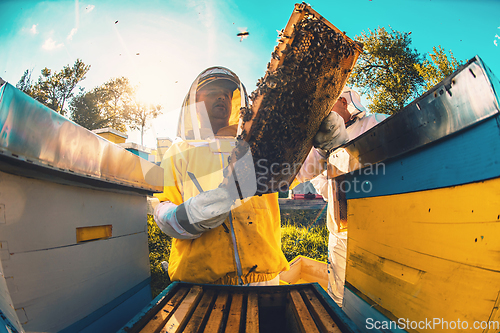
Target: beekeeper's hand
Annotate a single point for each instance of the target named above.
(205, 211)
(152, 203)
(331, 134)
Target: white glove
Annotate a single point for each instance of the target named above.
(152, 203)
(164, 216)
(205, 211)
(331, 134)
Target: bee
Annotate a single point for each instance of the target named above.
(243, 34)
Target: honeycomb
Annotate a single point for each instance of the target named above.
(306, 75)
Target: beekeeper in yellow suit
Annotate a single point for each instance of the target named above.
(218, 238)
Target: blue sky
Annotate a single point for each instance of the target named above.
(162, 45)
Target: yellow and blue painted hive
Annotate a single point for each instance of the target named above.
(422, 192)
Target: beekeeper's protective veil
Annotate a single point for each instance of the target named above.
(354, 106)
(194, 123)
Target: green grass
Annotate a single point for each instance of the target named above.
(312, 242)
(303, 232)
(159, 250)
(303, 217)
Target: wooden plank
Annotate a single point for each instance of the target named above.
(306, 270)
(161, 318)
(56, 290)
(494, 318)
(45, 231)
(304, 318)
(214, 322)
(431, 254)
(202, 310)
(252, 324)
(315, 271)
(439, 165)
(318, 311)
(455, 223)
(234, 318)
(293, 274)
(359, 311)
(343, 321)
(274, 63)
(184, 311)
(60, 291)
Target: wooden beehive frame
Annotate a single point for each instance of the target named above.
(306, 74)
(186, 307)
(298, 14)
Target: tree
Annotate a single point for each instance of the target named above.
(108, 105)
(25, 83)
(117, 102)
(85, 110)
(54, 89)
(386, 70)
(141, 114)
(438, 68)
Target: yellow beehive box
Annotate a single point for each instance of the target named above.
(305, 270)
(111, 134)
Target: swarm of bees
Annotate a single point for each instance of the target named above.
(303, 80)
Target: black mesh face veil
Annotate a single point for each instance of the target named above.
(193, 120)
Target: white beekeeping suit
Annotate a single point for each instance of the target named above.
(357, 124)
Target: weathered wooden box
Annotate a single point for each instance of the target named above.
(73, 236)
(305, 270)
(186, 307)
(424, 226)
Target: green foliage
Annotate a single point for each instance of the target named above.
(112, 104)
(116, 102)
(25, 83)
(54, 89)
(392, 74)
(159, 250)
(303, 217)
(438, 68)
(309, 242)
(85, 110)
(386, 70)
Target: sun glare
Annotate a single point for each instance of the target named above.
(148, 93)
